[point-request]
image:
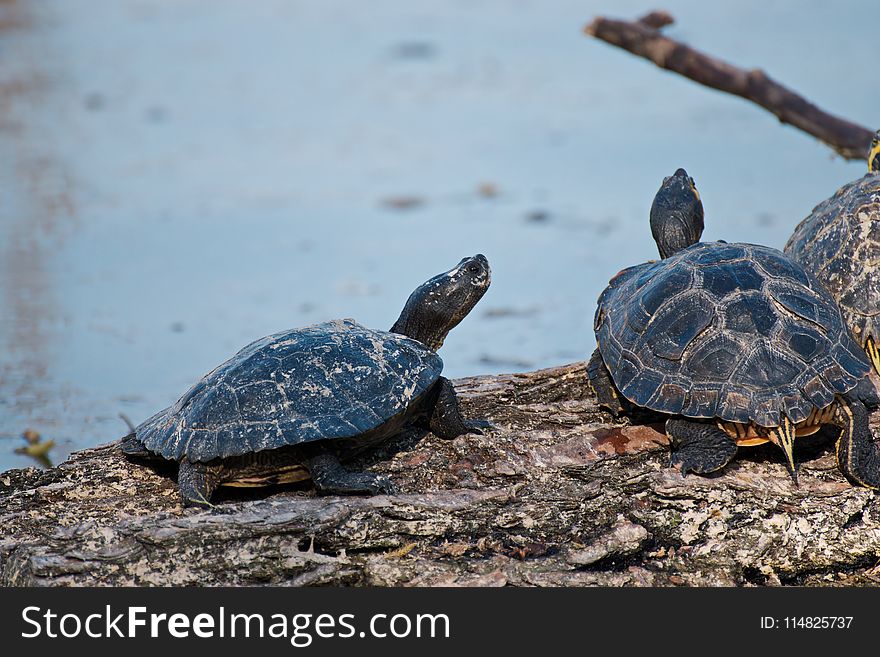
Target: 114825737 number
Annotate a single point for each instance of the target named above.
(817, 622)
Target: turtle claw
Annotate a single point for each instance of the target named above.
(675, 459)
(385, 486)
(197, 503)
(373, 484)
(477, 426)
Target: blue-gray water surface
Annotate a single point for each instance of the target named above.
(180, 178)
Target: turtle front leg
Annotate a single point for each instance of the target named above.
(330, 478)
(446, 419)
(866, 393)
(699, 447)
(858, 454)
(197, 482)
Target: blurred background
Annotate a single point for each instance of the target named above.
(180, 177)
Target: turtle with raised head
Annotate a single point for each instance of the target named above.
(293, 405)
(839, 242)
(735, 343)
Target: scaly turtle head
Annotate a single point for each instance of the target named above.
(438, 305)
(874, 154)
(676, 214)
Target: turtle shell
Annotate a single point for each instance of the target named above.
(332, 380)
(839, 242)
(733, 331)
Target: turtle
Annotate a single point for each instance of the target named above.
(294, 405)
(839, 242)
(734, 344)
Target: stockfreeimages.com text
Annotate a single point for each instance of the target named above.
(299, 629)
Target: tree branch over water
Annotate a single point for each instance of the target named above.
(643, 37)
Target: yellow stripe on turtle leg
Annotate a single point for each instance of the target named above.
(858, 453)
(784, 436)
(845, 419)
(873, 353)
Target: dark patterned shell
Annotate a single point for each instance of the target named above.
(839, 242)
(734, 331)
(332, 380)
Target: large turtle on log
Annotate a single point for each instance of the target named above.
(292, 405)
(839, 242)
(735, 344)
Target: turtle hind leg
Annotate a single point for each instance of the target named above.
(699, 447)
(331, 478)
(197, 482)
(446, 420)
(603, 386)
(858, 454)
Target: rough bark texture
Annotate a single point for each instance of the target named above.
(643, 38)
(557, 494)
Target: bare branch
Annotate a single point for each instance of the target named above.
(643, 38)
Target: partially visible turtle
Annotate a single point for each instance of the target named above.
(839, 242)
(736, 343)
(292, 405)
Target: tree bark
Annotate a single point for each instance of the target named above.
(557, 494)
(643, 38)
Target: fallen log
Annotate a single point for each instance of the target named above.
(644, 38)
(558, 494)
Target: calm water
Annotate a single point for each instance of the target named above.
(182, 177)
